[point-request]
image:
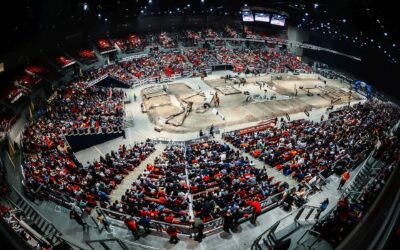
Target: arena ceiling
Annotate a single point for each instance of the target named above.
(24, 19)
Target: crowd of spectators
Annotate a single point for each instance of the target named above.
(104, 45)
(221, 179)
(304, 148)
(64, 61)
(22, 85)
(113, 70)
(82, 110)
(218, 178)
(161, 191)
(191, 38)
(87, 56)
(166, 41)
(49, 163)
(347, 214)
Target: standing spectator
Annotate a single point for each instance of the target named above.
(134, 97)
(145, 222)
(104, 197)
(256, 210)
(75, 215)
(322, 207)
(228, 221)
(345, 178)
(131, 224)
(236, 217)
(172, 231)
(199, 226)
(212, 130)
(102, 220)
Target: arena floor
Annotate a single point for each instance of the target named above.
(234, 109)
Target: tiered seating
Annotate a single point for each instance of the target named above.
(347, 215)
(105, 45)
(161, 191)
(278, 62)
(201, 58)
(50, 163)
(304, 148)
(166, 41)
(172, 63)
(87, 56)
(143, 68)
(191, 38)
(220, 177)
(82, 110)
(64, 61)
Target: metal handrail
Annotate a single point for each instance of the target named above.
(298, 211)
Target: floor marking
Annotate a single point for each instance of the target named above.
(98, 150)
(9, 157)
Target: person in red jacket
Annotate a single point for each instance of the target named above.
(345, 178)
(172, 231)
(256, 210)
(131, 224)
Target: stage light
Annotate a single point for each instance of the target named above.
(394, 45)
(85, 6)
(344, 20)
(385, 34)
(150, 1)
(316, 5)
(202, 1)
(306, 14)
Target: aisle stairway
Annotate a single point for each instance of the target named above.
(36, 220)
(126, 183)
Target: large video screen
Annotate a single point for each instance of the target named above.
(247, 16)
(262, 17)
(278, 20)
